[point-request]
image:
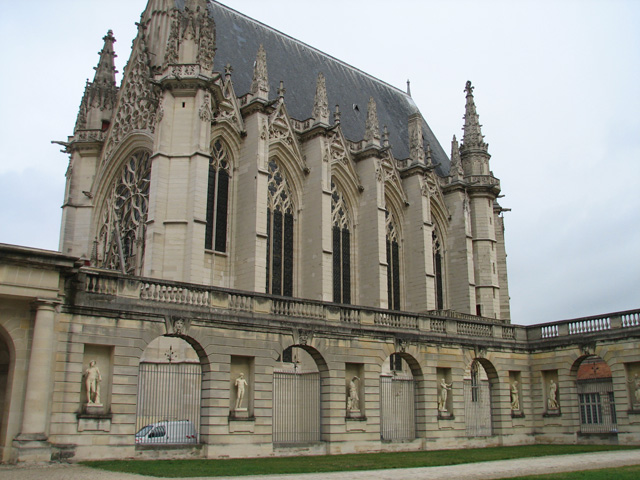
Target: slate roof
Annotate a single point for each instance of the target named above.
(238, 38)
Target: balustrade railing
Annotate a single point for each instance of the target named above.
(447, 322)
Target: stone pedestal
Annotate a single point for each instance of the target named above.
(241, 413)
(94, 408)
(31, 447)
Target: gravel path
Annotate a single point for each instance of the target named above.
(469, 471)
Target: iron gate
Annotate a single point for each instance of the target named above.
(397, 408)
(597, 406)
(296, 407)
(168, 409)
(477, 408)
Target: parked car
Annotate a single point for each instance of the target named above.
(168, 432)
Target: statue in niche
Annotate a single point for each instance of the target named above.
(515, 396)
(552, 400)
(241, 383)
(353, 401)
(92, 383)
(444, 393)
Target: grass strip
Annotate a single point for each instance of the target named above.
(620, 473)
(335, 463)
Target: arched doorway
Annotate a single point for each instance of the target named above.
(477, 401)
(397, 400)
(169, 393)
(297, 397)
(595, 396)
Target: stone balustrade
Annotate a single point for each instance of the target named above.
(437, 322)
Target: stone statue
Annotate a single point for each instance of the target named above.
(552, 400)
(515, 396)
(241, 383)
(444, 393)
(92, 383)
(353, 402)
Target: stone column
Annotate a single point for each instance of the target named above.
(31, 444)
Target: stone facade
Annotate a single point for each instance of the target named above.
(213, 221)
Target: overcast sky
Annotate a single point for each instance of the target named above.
(557, 87)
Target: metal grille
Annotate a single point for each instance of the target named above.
(477, 408)
(169, 403)
(397, 408)
(597, 406)
(296, 408)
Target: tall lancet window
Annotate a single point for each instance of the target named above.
(437, 270)
(279, 233)
(393, 263)
(215, 237)
(341, 248)
(121, 237)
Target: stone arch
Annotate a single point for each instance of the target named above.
(481, 386)
(170, 393)
(594, 395)
(301, 395)
(402, 396)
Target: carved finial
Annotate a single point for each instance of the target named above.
(336, 115)
(192, 36)
(281, 90)
(416, 140)
(429, 162)
(260, 83)
(385, 137)
(372, 126)
(106, 70)
(408, 87)
(228, 70)
(321, 102)
(472, 136)
(456, 164)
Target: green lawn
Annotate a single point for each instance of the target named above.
(333, 463)
(621, 473)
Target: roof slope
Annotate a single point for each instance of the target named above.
(238, 38)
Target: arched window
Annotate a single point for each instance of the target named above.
(437, 270)
(121, 237)
(279, 233)
(341, 248)
(393, 263)
(217, 199)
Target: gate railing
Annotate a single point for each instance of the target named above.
(477, 408)
(597, 406)
(397, 408)
(297, 417)
(447, 323)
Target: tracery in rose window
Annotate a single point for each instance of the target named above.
(121, 238)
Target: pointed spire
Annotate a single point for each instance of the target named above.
(260, 83)
(281, 89)
(456, 164)
(372, 126)
(106, 70)
(429, 161)
(99, 98)
(385, 137)
(321, 102)
(472, 137)
(408, 87)
(416, 140)
(336, 115)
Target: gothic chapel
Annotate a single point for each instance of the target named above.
(265, 250)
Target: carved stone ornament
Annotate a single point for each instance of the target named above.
(192, 25)
(305, 337)
(321, 102)
(480, 352)
(372, 126)
(588, 348)
(205, 113)
(177, 325)
(401, 345)
(139, 98)
(260, 82)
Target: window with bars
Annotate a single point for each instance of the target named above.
(437, 266)
(393, 263)
(279, 278)
(590, 408)
(217, 199)
(341, 248)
